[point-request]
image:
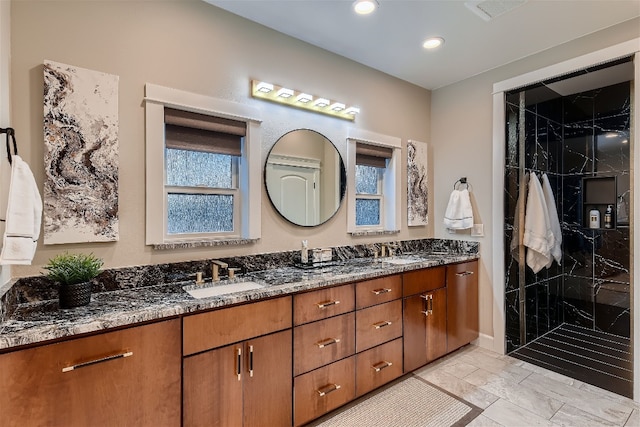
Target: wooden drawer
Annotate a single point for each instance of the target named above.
(323, 303)
(319, 343)
(323, 390)
(378, 366)
(129, 377)
(424, 280)
(377, 291)
(378, 324)
(228, 325)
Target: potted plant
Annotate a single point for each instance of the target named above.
(74, 273)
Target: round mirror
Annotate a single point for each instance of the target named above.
(305, 177)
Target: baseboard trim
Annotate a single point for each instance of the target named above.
(487, 342)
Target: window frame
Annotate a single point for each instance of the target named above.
(390, 208)
(246, 226)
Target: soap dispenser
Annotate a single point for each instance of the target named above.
(594, 218)
(608, 217)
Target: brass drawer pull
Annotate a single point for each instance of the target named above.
(250, 360)
(326, 304)
(380, 366)
(381, 291)
(464, 273)
(93, 362)
(382, 324)
(327, 342)
(323, 391)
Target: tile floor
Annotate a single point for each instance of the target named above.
(513, 392)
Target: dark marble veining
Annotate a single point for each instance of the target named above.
(136, 294)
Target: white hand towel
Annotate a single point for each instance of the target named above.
(459, 214)
(538, 237)
(24, 216)
(554, 221)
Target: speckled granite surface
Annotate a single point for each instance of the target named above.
(121, 297)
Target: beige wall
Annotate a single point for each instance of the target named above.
(467, 150)
(193, 46)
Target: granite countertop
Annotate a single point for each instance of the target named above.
(37, 322)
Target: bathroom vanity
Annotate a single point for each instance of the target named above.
(301, 346)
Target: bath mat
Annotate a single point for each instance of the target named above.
(407, 402)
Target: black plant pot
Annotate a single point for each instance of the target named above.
(75, 295)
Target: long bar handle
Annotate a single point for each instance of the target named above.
(464, 273)
(100, 360)
(325, 304)
(329, 388)
(381, 365)
(381, 291)
(327, 342)
(425, 304)
(428, 304)
(382, 324)
(250, 360)
(239, 363)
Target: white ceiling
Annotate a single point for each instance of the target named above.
(390, 39)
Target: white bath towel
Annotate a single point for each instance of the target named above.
(459, 214)
(538, 237)
(554, 221)
(24, 216)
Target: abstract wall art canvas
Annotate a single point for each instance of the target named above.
(417, 188)
(80, 154)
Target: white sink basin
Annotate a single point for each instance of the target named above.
(402, 261)
(216, 290)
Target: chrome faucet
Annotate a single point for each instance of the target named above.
(215, 266)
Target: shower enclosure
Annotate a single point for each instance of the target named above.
(573, 317)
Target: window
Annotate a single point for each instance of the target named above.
(373, 188)
(203, 173)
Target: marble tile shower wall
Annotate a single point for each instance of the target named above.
(565, 138)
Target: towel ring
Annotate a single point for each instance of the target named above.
(460, 182)
(10, 133)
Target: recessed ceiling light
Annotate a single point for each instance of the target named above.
(365, 7)
(433, 42)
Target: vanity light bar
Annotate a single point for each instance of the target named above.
(298, 99)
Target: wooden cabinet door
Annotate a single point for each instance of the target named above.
(462, 307)
(436, 324)
(104, 388)
(268, 382)
(425, 328)
(415, 332)
(212, 388)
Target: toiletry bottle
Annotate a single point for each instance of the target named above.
(608, 217)
(594, 218)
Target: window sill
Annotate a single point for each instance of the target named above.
(373, 232)
(187, 244)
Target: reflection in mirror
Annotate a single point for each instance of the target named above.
(305, 177)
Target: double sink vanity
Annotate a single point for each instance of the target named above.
(275, 346)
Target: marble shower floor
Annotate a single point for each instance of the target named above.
(597, 358)
(513, 392)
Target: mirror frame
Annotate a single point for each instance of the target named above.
(343, 179)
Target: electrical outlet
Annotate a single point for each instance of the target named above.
(477, 230)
